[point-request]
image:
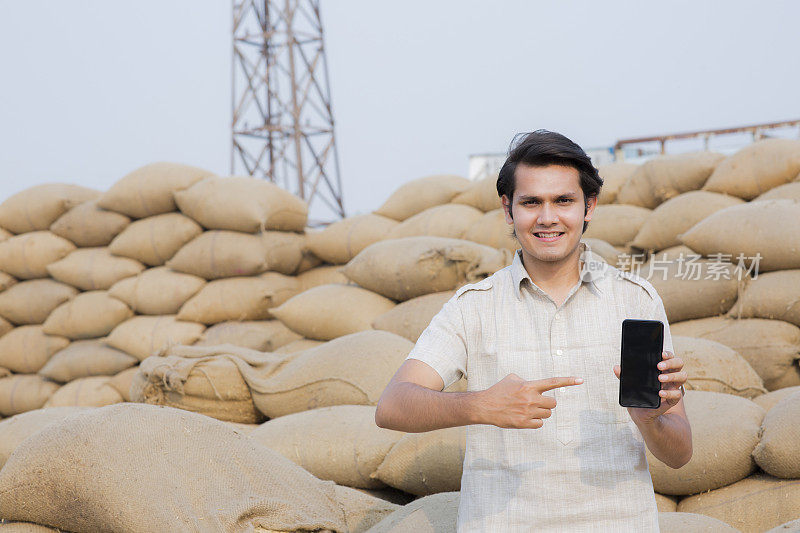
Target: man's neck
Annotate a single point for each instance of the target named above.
(557, 276)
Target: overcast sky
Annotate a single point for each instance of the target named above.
(93, 89)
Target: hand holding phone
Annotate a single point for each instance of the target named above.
(642, 346)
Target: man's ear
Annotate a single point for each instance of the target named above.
(507, 209)
(591, 203)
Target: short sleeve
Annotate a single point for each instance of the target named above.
(443, 344)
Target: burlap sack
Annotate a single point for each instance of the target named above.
(340, 443)
(93, 391)
(437, 513)
(792, 526)
(148, 190)
(122, 382)
(425, 463)
(36, 208)
(769, 400)
(157, 291)
(298, 346)
(666, 504)
(154, 240)
(692, 523)
(410, 318)
(774, 295)
(712, 366)
(31, 302)
(5, 234)
(24, 392)
(678, 215)
(142, 336)
(92, 269)
(27, 256)
(308, 260)
(777, 453)
(191, 481)
(606, 251)
(481, 194)
(767, 228)
(492, 230)
(18, 428)
(264, 336)
(351, 370)
(86, 358)
(448, 220)
(617, 224)
(420, 194)
(239, 299)
(5, 326)
(673, 253)
(725, 429)
(614, 177)
(770, 346)
(757, 168)
(26, 349)
(317, 312)
(344, 239)
(695, 289)
(87, 225)
(322, 275)
(753, 504)
(25, 527)
(402, 269)
(790, 191)
(87, 316)
(225, 254)
(6, 281)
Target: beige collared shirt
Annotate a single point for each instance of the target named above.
(585, 469)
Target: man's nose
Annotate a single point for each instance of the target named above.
(547, 215)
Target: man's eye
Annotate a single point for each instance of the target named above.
(566, 200)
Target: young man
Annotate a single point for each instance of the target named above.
(572, 459)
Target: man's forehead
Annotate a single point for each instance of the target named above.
(547, 182)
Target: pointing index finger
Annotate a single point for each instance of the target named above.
(543, 385)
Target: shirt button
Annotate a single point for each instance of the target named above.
(559, 352)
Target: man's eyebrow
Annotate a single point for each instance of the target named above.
(526, 197)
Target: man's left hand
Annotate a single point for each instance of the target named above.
(672, 378)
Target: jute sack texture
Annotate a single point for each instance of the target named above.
(89, 315)
(25, 349)
(757, 168)
(769, 400)
(437, 513)
(692, 523)
(31, 302)
(677, 215)
(790, 191)
(766, 228)
(298, 346)
(318, 312)
(86, 358)
(5, 234)
(492, 230)
(617, 224)
(667, 176)
(242, 204)
(792, 526)
(773, 295)
(482, 195)
(247, 298)
(778, 453)
(122, 382)
(91, 269)
(154, 240)
(6, 281)
(714, 367)
(753, 504)
(425, 463)
(321, 275)
(402, 269)
(725, 429)
(448, 220)
(410, 318)
(24, 392)
(421, 194)
(191, 483)
(666, 504)
(27, 256)
(157, 291)
(344, 239)
(142, 336)
(86, 225)
(340, 443)
(770, 346)
(5, 326)
(261, 335)
(16, 429)
(93, 391)
(36, 208)
(148, 190)
(614, 177)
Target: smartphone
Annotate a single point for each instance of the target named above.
(642, 344)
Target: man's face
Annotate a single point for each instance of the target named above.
(548, 200)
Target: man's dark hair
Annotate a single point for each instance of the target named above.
(542, 148)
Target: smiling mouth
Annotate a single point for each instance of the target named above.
(550, 235)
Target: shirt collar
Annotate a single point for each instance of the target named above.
(593, 269)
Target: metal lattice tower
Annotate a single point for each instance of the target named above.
(282, 118)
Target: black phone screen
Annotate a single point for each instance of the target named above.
(642, 344)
